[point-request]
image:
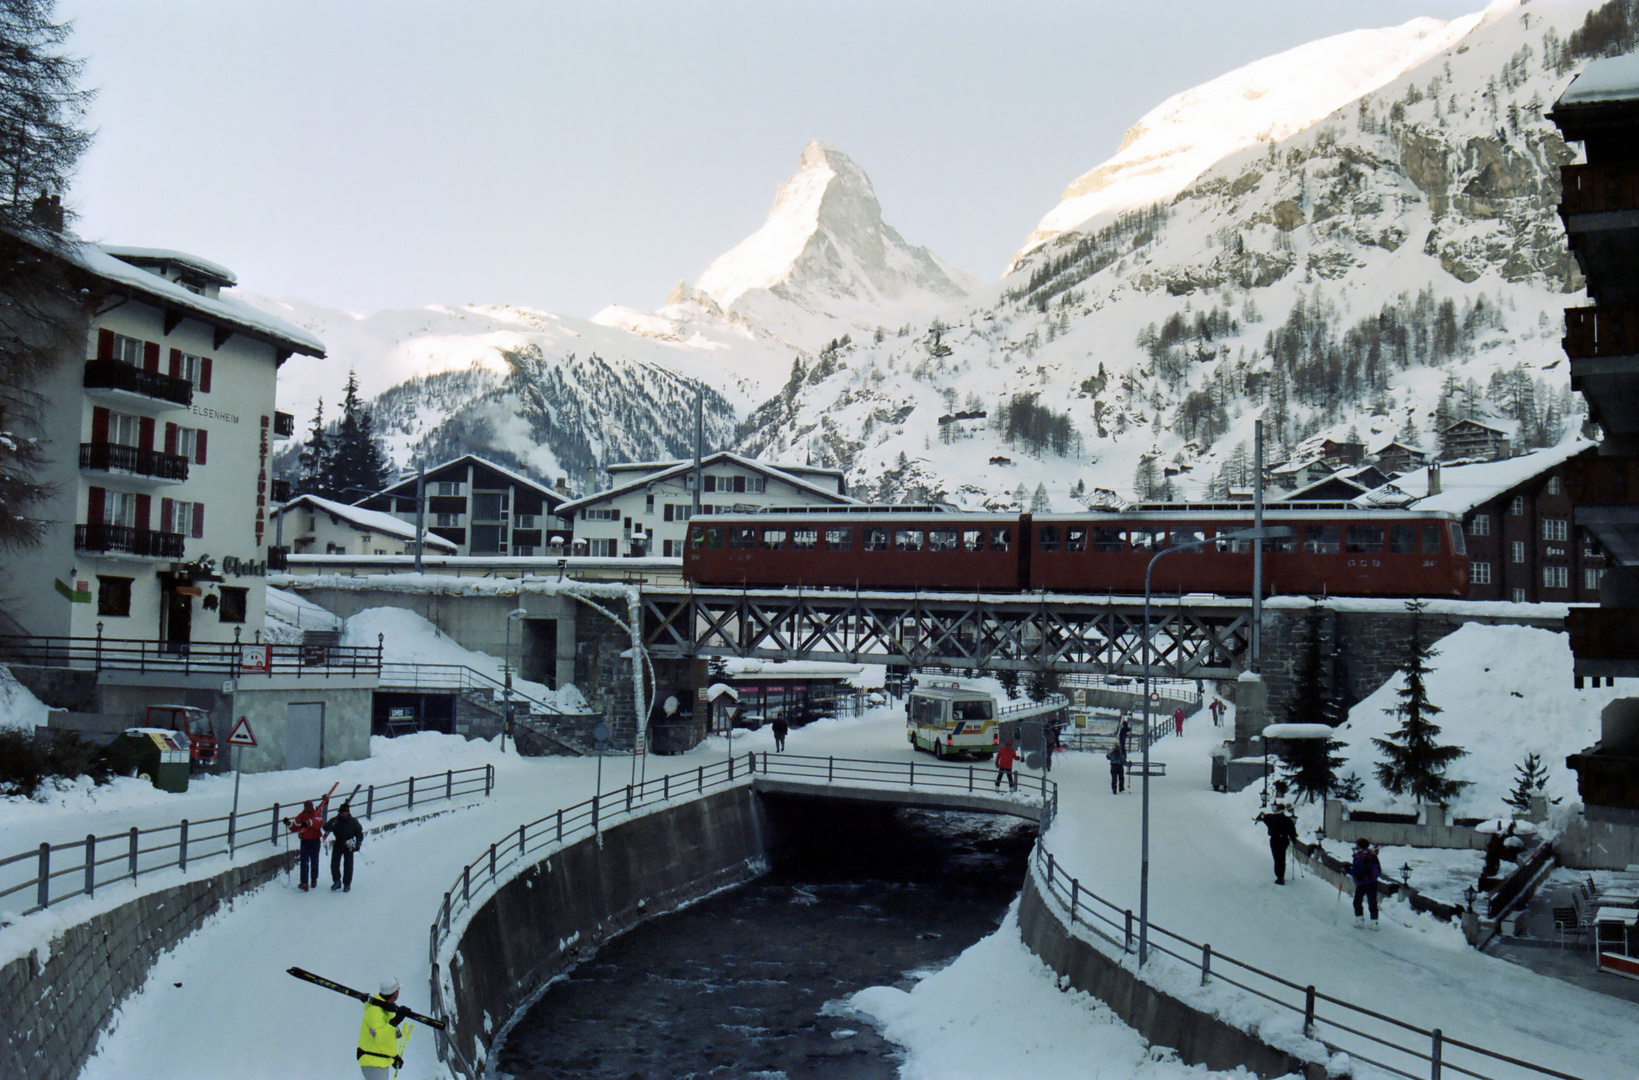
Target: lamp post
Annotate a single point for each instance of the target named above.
(1259, 534)
(506, 665)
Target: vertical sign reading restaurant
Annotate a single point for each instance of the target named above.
(261, 485)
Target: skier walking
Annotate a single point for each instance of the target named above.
(1004, 766)
(346, 834)
(382, 1035)
(781, 729)
(1217, 709)
(1366, 871)
(309, 829)
(1118, 769)
(1282, 831)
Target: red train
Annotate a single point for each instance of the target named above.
(1338, 550)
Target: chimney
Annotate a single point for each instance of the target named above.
(1434, 478)
(563, 487)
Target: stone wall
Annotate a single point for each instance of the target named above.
(603, 671)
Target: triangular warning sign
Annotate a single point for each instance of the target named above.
(241, 735)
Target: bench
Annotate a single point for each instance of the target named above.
(1136, 768)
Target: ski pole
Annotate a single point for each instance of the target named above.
(404, 1044)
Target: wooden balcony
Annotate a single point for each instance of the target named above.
(1601, 331)
(125, 540)
(1598, 189)
(133, 461)
(114, 376)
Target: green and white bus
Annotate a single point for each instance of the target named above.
(946, 720)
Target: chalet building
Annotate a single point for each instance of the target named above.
(1518, 520)
(1397, 458)
(1470, 440)
(309, 525)
(159, 427)
(480, 507)
(647, 510)
(1299, 473)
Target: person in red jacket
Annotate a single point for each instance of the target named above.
(1004, 766)
(309, 828)
(1178, 719)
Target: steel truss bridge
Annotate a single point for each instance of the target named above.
(1191, 636)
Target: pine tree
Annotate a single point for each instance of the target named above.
(1039, 502)
(1413, 763)
(1009, 679)
(357, 466)
(1530, 778)
(313, 471)
(1311, 764)
(1144, 481)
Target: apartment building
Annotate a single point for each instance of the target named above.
(480, 507)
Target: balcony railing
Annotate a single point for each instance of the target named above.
(1596, 189)
(109, 457)
(281, 491)
(1601, 331)
(117, 375)
(278, 558)
(229, 658)
(1602, 481)
(124, 540)
(284, 425)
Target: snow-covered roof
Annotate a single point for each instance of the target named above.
(226, 312)
(747, 668)
(656, 466)
(1306, 492)
(369, 520)
(517, 478)
(1615, 78)
(720, 457)
(1463, 487)
(167, 256)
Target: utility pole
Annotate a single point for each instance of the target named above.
(1257, 545)
(699, 444)
(420, 509)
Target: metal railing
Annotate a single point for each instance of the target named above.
(118, 375)
(223, 657)
(458, 677)
(126, 540)
(106, 456)
(80, 867)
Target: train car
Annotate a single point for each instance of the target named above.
(1336, 549)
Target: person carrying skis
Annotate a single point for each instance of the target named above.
(380, 1035)
(1366, 871)
(780, 730)
(1118, 769)
(1004, 766)
(309, 829)
(1282, 831)
(346, 834)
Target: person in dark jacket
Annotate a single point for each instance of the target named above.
(1004, 765)
(1365, 869)
(781, 729)
(309, 829)
(1118, 768)
(1124, 733)
(1282, 831)
(346, 834)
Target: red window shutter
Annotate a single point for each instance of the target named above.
(198, 520)
(150, 356)
(99, 424)
(144, 504)
(199, 447)
(93, 506)
(170, 437)
(105, 344)
(145, 433)
(204, 374)
(176, 364)
(167, 515)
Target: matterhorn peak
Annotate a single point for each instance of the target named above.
(825, 248)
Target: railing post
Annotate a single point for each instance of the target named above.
(970, 779)
(1051, 866)
(1434, 1056)
(90, 864)
(830, 769)
(1206, 963)
(628, 798)
(182, 844)
(412, 794)
(369, 801)
(231, 816)
(595, 811)
(466, 884)
(43, 891)
(1308, 1012)
(1075, 898)
(489, 780)
(135, 844)
(666, 787)
(449, 783)
(702, 782)
(492, 862)
(731, 768)
(446, 913)
(913, 772)
(272, 832)
(560, 824)
(1127, 945)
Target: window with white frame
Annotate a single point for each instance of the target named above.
(187, 442)
(1553, 485)
(1479, 525)
(181, 518)
(1553, 529)
(447, 521)
(1591, 576)
(594, 513)
(523, 521)
(127, 350)
(448, 488)
(1517, 506)
(1479, 573)
(188, 367)
(603, 549)
(119, 508)
(757, 483)
(1517, 549)
(124, 430)
(1556, 577)
(1517, 596)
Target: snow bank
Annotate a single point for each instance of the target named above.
(20, 710)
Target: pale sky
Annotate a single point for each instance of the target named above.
(564, 156)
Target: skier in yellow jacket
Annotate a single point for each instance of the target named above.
(380, 1048)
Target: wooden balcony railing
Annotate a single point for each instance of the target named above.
(1602, 481)
(116, 375)
(1601, 331)
(1597, 189)
(125, 540)
(108, 457)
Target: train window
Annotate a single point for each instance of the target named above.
(1286, 544)
(876, 538)
(973, 540)
(942, 540)
(712, 538)
(1364, 540)
(1189, 535)
(1108, 538)
(907, 540)
(773, 539)
(1146, 539)
(1075, 538)
(839, 539)
(1402, 539)
(1001, 538)
(1431, 540)
(742, 537)
(1234, 547)
(804, 539)
(1047, 538)
(697, 537)
(1321, 540)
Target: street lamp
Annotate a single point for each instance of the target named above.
(1273, 532)
(506, 665)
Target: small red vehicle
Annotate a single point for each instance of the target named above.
(188, 720)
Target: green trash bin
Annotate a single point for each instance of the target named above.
(160, 755)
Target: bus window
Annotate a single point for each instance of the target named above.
(1190, 534)
(971, 710)
(907, 540)
(1075, 538)
(742, 537)
(804, 539)
(876, 538)
(1001, 538)
(1364, 539)
(1108, 538)
(1047, 538)
(941, 539)
(973, 540)
(839, 539)
(1431, 540)
(1321, 540)
(1146, 539)
(1402, 539)
(773, 539)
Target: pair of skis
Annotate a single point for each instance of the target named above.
(406, 1014)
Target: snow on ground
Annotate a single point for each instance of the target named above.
(289, 614)
(19, 709)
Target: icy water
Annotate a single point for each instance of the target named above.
(751, 983)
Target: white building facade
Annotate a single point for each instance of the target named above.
(314, 526)
(159, 428)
